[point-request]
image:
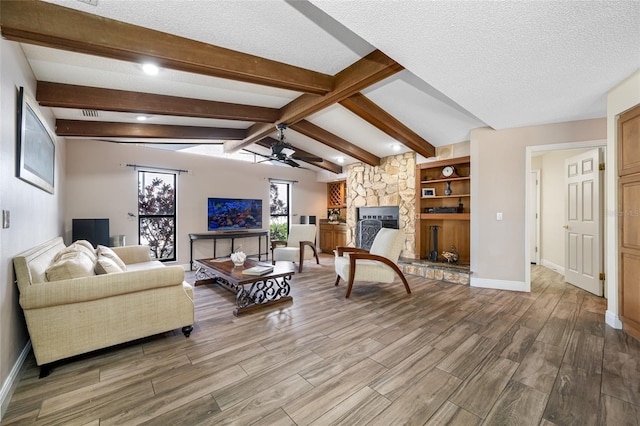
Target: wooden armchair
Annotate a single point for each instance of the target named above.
(293, 250)
(376, 265)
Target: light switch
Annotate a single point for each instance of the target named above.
(499, 216)
(6, 219)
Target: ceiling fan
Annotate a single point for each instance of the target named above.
(282, 152)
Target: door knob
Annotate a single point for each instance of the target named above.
(565, 226)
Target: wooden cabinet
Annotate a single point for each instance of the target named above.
(629, 220)
(444, 201)
(337, 195)
(332, 236)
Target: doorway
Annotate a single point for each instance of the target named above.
(551, 227)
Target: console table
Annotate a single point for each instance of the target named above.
(232, 235)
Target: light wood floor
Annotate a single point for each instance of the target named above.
(446, 354)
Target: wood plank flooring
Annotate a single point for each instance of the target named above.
(446, 354)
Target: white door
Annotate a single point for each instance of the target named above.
(583, 258)
(534, 216)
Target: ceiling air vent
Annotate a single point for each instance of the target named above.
(89, 113)
(91, 2)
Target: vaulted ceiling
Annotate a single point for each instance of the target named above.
(351, 79)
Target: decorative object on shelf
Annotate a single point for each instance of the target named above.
(439, 210)
(333, 214)
(448, 172)
(238, 258)
(452, 255)
(447, 191)
(428, 192)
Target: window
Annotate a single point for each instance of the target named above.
(157, 213)
(279, 208)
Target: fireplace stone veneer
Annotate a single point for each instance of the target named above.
(392, 183)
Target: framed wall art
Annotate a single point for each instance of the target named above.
(36, 146)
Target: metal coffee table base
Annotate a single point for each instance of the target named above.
(268, 291)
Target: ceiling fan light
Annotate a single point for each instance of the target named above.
(287, 152)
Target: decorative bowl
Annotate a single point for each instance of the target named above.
(238, 258)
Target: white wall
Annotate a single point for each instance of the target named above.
(36, 215)
(498, 182)
(99, 187)
(621, 98)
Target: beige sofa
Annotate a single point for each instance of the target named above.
(74, 316)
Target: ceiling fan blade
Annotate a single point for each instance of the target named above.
(307, 158)
(291, 163)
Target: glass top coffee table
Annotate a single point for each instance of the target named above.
(252, 291)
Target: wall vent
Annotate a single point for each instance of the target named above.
(89, 113)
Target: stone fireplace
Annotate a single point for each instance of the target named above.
(392, 183)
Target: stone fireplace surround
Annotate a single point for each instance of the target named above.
(392, 183)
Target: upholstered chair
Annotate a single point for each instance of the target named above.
(300, 246)
(379, 264)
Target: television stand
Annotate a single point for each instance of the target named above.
(230, 235)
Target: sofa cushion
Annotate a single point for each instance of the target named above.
(87, 245)
(105, 265)
(71, 265)
(80, 247)
(107, 252)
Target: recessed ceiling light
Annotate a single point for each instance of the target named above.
(141, 118)
(340, 160)
(396, 147)
(150, 68)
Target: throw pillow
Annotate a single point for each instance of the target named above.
(107, 252)
(77, 248)
(71, 265)
(104, 265)
(86, 244)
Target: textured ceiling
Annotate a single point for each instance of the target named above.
(467, 64)
(512, 63)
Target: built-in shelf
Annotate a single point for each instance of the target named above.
(426, 182)
(453, 228)
(448, 196)
(445, 216)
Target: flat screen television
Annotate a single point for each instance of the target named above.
(234, 214)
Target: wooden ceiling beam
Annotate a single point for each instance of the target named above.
(98, 129)
(311, 130)
(371, 69)
(50, 25)
(369, 111)
(324, 164)
(81, 97)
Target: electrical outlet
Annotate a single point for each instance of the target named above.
(6, 219)
(499, 216)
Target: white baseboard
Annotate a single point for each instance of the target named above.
(498, 284)
(9, 386)
(547, 264)
(613, 320)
